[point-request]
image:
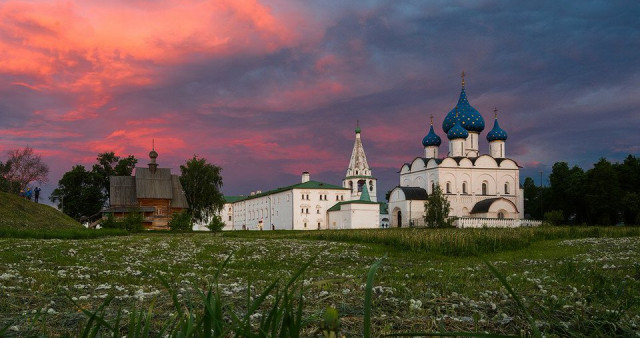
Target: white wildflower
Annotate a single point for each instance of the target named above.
(415, 304)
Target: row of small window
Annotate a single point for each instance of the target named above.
(323, 197)
(306, 211)
(464, 188)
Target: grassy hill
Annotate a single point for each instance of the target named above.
(19, 213)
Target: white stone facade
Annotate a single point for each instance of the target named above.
(477, 186)
(355, 216)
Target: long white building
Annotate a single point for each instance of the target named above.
(311, 205)
(478, 186)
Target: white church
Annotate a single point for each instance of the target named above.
(482, 189)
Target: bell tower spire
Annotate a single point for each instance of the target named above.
(358, 176)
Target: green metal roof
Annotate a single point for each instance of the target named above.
(364, 196)
(305, 185)
(231, 199)
(337, 205)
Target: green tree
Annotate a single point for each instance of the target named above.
(216, 224)
(567, 192)
(79, 193)
(202, 184)
(603, 194)
(629, 181)
(111, 165)
(559, 185)
(437, 209)
(181, 221)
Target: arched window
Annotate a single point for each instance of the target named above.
(370, 185)
(501, 215)
(351, 185)
(506, 188)
(464, 187)
(361, 183)
(484, 188)
(448, 188)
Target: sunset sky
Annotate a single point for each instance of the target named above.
(268, 89)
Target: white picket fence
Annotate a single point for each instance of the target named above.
(482, 223)
(495, 223)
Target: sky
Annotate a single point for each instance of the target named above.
(269, 89)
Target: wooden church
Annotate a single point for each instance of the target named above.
(154, 191)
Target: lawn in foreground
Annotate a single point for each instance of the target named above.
(584, 286)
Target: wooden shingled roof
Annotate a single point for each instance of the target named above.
(179, 199)
(122, 191)
(154, 185)
(125, 191)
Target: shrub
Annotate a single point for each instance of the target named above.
(110, 223)
(180, 221)
(216, 224)
(133, 220)
(554, 217)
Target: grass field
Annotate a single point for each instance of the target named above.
(583, 285)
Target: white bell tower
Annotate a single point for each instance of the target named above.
(358, 175)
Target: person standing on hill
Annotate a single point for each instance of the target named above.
(36, 194)
(28, 194)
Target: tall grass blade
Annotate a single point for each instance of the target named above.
(367, 296)
(93, 316)
(516, 298)
(174, 295)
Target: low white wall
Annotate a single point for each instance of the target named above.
(495, 223)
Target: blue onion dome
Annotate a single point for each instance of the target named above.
(470, 118)
(497, 133)
(457, 131)
(431, 139)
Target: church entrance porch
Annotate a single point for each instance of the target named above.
(396, 218)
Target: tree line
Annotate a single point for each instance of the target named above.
(607, 194)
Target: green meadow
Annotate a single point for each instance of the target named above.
(566, 281)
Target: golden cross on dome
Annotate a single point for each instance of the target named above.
(495, 112)
(153, 144)
(462, 76)
(431, 119)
